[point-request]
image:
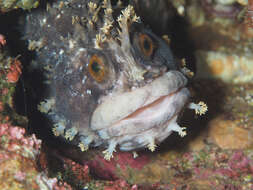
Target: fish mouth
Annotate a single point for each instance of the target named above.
(153, 118)
(154, 127)
(151, 111)
(148, 108)
(142, 109)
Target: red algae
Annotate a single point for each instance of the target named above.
(18, 162)
(240, 163)
(14, 72)
(1, 106)
(2, 40)
(125, 159)
(122, 160)
(80, 172)
(250, 13)
(103, 168)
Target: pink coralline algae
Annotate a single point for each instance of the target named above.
(241, 163)
(18, 162)
(17, 141)
(120, 185)
(224, 166)
(80, 172)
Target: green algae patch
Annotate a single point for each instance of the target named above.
(8, 5)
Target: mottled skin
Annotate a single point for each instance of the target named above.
(111, 81)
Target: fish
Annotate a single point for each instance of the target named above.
(111, 82)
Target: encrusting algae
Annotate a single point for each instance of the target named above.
(8, 5)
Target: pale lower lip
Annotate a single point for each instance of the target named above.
(125, 105)
(156, 103)
(155, 114)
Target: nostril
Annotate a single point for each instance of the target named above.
(155, 73)
(151, 75)
(148, 75)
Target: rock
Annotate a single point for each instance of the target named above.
(197, 143)
(226, 52)
(217, 64)
(18, 162)
(229, 135)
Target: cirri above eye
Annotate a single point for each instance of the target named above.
(97, 68)
(146, 45)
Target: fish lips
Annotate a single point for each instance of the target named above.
(141, 109)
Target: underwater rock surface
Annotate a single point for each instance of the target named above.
(215, 154)
(223, 41)
(18, 156)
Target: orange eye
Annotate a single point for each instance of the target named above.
(97, 68)
(146, 45)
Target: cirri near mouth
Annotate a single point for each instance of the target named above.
(146, 113)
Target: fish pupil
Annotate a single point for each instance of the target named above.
(146, 45)
(95, 67)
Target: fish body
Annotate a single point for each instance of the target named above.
(111, 81)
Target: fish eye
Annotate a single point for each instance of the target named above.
(97, 68)
(146, 45)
